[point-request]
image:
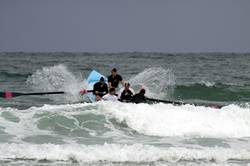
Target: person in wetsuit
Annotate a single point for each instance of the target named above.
(139, 97)
(114, 79)
(126, 94)
(100, 89)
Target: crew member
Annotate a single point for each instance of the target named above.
(100, 89)
(139, 97)
(126, 94)
(114, 79)
(111, 96)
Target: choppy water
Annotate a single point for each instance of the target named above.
(65, 130)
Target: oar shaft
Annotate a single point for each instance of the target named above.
(165, 101)
(9, 95)
(43, 93)
(182, 103)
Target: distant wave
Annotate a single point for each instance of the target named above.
(13, 75)
(213, 92)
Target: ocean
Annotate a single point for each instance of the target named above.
(65, 129)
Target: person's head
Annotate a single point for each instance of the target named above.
(126, 85)
(142, 91)
(114, 71)
(112, 91)
(101, 80)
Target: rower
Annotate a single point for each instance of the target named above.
(100, 89)
(139, 97)
(126, 94)
(111, 96)
(114, 79)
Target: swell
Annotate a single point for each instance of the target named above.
(13, 75)
(213, 92)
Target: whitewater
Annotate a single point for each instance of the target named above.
(103, 132)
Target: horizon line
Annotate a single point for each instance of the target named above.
(124, 52)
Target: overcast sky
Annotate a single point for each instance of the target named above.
(125, 25)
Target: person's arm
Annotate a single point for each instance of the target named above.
(94, 90)
(109, 82)
(121, 81)
(120, 93)
(110, 86)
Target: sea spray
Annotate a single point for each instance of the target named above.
(57, 78)
(157, 81)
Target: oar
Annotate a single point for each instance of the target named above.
(84, 91)
(9, 95)
(165, 101)
(182, 103)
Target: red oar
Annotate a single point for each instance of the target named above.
(84, 91)
(9, 95)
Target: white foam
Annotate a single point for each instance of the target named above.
(118, 153)
(157, 81)
(207, 83)
(57, 78)
(178, 121)
(163, 120)
(27, 124)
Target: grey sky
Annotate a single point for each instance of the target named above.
(125, 25)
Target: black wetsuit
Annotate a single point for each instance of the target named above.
(101, 90)
(126, 95)
(138, 98)
(115, 80)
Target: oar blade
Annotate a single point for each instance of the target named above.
(84, 91)
(9, 95)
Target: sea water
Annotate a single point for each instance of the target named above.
(65, 129)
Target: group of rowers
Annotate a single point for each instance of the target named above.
(105, 92)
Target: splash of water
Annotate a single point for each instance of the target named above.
(157, 81)
(57, 78)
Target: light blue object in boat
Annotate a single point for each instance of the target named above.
(93, 78)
